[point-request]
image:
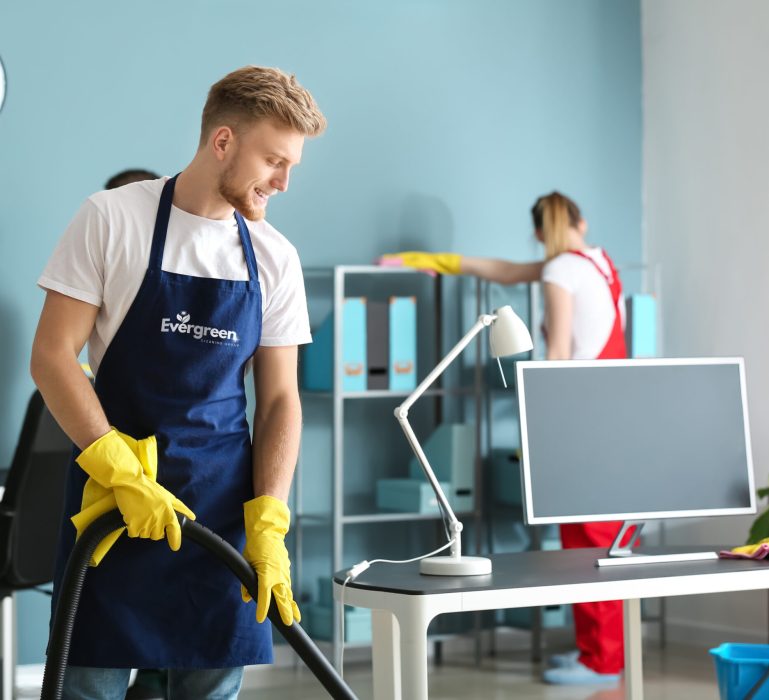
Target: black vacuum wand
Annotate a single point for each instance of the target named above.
(72, 585)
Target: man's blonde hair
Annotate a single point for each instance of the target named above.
(252, 93)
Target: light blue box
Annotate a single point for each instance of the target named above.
(403, 343)
(409, 495)
(357, 622)
(318, 357)
(641, 325)
(506, 477)
(450, 449)
(553, 616)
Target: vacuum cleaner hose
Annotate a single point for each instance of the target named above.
(72, 585)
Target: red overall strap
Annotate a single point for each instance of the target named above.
(615, 348)
(598, 626)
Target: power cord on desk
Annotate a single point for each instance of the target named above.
(356, 570)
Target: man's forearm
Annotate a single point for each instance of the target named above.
(69, 395)
(277, 432)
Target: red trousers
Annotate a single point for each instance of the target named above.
(597, 626)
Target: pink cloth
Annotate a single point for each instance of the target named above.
(761, 552)
(398, 262)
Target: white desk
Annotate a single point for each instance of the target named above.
(403, 602)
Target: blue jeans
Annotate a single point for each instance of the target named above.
(84, 683)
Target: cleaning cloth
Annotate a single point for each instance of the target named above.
(759, 550)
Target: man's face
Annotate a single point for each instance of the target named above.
(259, 166)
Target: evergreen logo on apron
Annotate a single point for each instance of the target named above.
(206, 334)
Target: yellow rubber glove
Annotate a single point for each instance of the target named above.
(98, 499)
(749, 549)
(442, 263)
(267, 521)
(123, 472)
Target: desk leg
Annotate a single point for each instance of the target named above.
(9, 661)
(413, 652)
(385, 653)
(633, 651)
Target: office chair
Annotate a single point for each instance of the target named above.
(30, 515)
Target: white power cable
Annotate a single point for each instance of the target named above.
(357, 570)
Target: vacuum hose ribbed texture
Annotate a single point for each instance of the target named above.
(72, 585)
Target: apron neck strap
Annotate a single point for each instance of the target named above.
(248, 249)
(161, 228)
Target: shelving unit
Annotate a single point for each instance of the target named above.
(349, 512)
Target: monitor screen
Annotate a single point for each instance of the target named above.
(634, 439)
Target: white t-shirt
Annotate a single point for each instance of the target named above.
(103, 256)
(594, 311)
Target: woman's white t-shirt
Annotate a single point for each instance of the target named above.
(593, 309)
(103, 255)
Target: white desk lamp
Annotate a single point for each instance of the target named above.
(508, 336)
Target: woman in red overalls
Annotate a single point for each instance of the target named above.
(584, 319)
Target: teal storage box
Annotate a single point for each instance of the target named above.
(506, 477)
(317, 362)
(325, 591)
(740, 668)
(450, 449)
(641, 325)
(403, 344)
(357, 622)
(553, 616)
(409, 495)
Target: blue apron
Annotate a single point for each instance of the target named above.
(175, 369)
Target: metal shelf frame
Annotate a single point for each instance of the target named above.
(337, 519)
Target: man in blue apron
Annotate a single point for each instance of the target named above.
(175, 284)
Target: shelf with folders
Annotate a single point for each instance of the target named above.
(351, 440)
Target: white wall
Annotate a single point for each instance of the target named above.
(706, 188)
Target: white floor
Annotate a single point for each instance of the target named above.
(680, 673)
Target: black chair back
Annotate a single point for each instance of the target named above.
(33, 500)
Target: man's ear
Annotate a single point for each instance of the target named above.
(222, 140)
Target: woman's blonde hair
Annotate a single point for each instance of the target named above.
(252, 93)
(554, 214)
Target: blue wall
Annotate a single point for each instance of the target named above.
(446, 119)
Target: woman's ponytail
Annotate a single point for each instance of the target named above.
(553, 215)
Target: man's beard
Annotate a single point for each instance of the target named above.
(242, 200)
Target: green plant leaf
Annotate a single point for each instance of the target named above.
(763, 493)
(759, 529)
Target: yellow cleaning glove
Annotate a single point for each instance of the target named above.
(267, 521)
(442, 263)
(123, 472)
(750, 549)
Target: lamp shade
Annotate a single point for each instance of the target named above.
(508, 334)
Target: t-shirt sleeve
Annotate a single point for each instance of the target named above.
(285, 320)
(76, 267)
(562, 272)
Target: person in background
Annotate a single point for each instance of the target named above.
(126, 177)
(584, 320)
(179, 286)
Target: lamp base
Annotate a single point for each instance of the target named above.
(455, 566)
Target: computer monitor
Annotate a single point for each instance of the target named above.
(634, 440)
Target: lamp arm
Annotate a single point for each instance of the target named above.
(402, 412)
(483, 321)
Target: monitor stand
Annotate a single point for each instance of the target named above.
(620, 556)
